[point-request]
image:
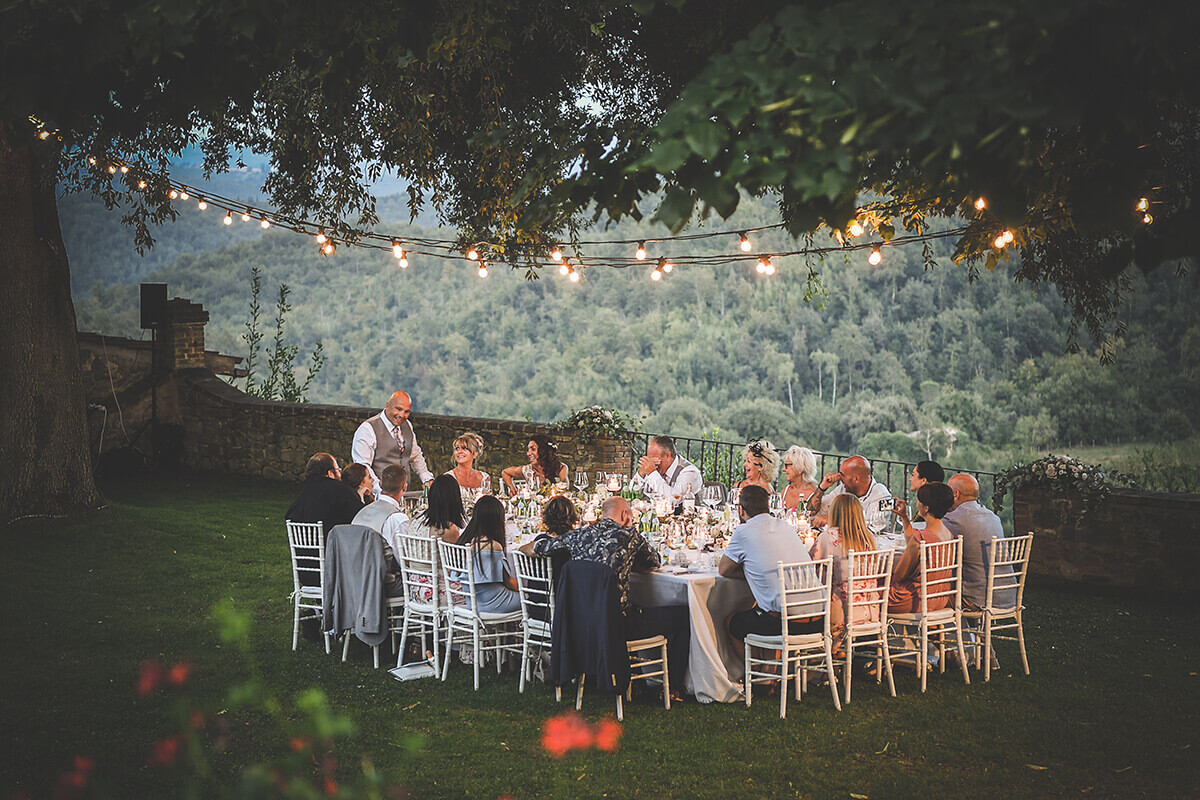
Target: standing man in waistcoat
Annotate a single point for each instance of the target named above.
(387, 438)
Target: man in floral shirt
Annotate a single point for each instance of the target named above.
(612, 542)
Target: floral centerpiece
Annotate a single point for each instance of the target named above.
(595, 421)
(1063, 474)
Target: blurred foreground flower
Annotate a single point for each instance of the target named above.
(569, 731)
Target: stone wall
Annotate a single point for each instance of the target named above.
(1138, 539)
(224, 430)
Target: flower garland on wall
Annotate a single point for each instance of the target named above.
(1061, 474)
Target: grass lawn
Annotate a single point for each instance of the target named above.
(1111, 709)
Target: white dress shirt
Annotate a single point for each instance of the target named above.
(881, 523)
(687, 476)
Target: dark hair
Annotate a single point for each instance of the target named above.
(665, 443)
(547, 457)
(559, 516)
(755, 500)
(937, 497)
(445, 503)
(931, 471)
(486, 525)
(393, 479)
(320, 464)
(353, 476)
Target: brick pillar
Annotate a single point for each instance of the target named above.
(181, 339)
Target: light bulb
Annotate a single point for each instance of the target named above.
(1008, 237)
(202, 205)
(1143, 204)
(228, 220)
(44, 135)
(667, 267)
(397, 250)
(183, 195)
(770, 268)
(875, 257)
(745, 243)
(760, 267)
(329, 249)
(980, 204)
(141, 184)
(321, 236)
(92, 160)
(172, 194)
(402, 261)
(266, 223)
(1147, 218)
(574, 276)
(564, 269)
(473, 254)
(483, 273)
(856, 229)
(556, 254)
(125, 171)
(246, 215)
(999, 242)
(640, 255)
(764, 266)
(112, 169)
(656, 274)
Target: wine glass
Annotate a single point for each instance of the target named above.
(518, 486)
(711, 496)
(581, 480)
(776, 504)
(599, 479)
(535, 483)
(485, 485)
(734, 496)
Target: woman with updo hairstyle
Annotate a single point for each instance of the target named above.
(934, 501)
(760, 459)
(467, 449)
(800, 470)
(558, 517)
(543, 464)
(358, 478)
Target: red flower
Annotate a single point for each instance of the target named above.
(330, 787)
(150, 675)
(299, 743)
(608, 732)
(566, 732)
(84, 764)
(197, 720)
(165, 752)
(179, 673)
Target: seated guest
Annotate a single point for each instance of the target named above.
(385, 518)
(933, 502)
(665, 472)
(543, 464)
(443, 515)
(925, 472)
(856, 479)
(977, 527)
(755, 550)
(467, 448)
(324, 498)
(847, 531)
(358, 478)
(800, 470)
(559, 517)
(760, 460)
(611, 541)
(495, 588)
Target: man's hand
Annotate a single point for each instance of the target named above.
(830, 479)
(426, 483)
(646, 465)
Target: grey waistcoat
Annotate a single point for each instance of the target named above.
(374, 515)
(387, 451)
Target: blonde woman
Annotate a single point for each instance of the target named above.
(468, 448)
(847, 531)
(760, 459)
(800, 470)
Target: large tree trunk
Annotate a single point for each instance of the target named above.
(47, 466)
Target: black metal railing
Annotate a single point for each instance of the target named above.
(722, 461)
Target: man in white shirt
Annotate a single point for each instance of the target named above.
(387, 438)
(855, 478)
(665, 472)
(385, 518)
(755, 550)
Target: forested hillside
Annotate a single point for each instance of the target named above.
(888, 360)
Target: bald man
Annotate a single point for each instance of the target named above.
(387, 438)
(612, 542)
(976, 526)
(856, 479)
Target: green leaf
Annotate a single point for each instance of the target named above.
(706, 138)
(887, 231)
(676, 209)
(668, 155)
(723, 196)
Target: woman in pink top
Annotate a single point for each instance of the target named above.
(847, 531)
(933, 502)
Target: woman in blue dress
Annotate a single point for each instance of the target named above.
(495, 588)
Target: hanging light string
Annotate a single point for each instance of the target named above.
(483, 252)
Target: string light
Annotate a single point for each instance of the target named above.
(656, 273)
(125, 171)
(1147, 218)
(1007, 236)
(564, 270)
(141, 184)
(112, 169)
(876, 256)
(329, 249)
(640, 255)
(228, 220)
(856, 229)
(665, 266)
(764, 266)
(483, 271)
(44, 135)
(473, 254)
(745, 242)
(999, 242)
(980, 204)
(321, 238)
(183, 195)
(1143, 204)
(246, 215)
(574, 276)
(202, 205)
(92, 160)
(266, 223)
(556, 254)
(172, 194)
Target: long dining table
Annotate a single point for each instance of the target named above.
(714, 671)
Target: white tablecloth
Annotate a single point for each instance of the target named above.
(714, 669)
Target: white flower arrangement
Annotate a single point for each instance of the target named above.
(1064, 474)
